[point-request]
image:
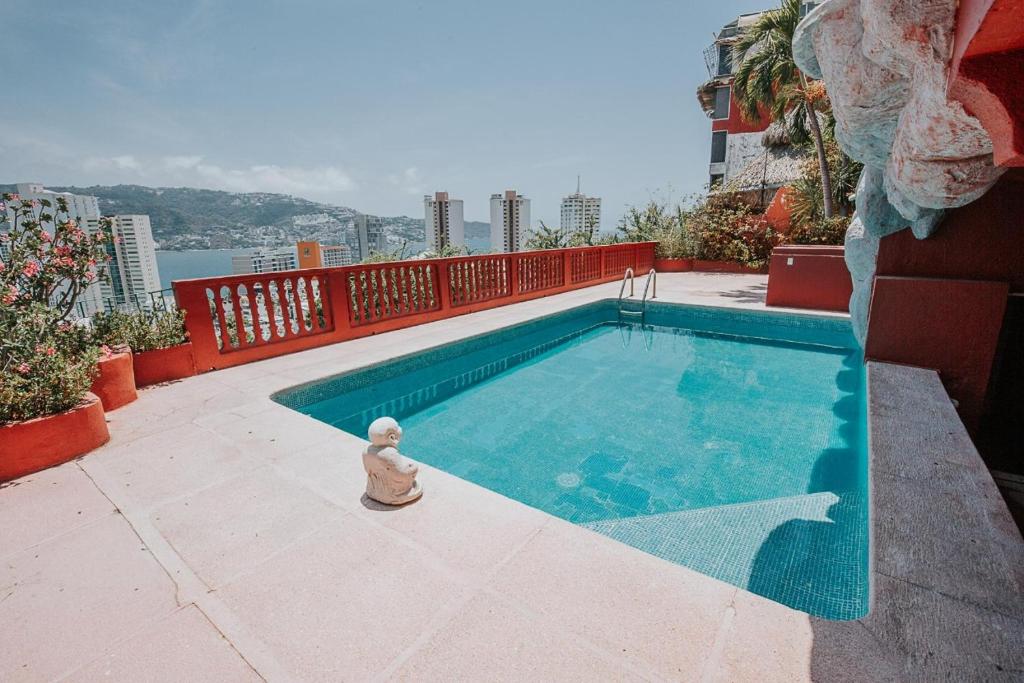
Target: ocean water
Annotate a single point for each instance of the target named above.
(185, 265)
(729, 443)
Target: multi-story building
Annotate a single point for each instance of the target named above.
(510, 221)
(443, 220)
(735, 140)
(85, 210)
(264, 261)
(134, 273)
(580, 212)
(369, 234)
(316, 255)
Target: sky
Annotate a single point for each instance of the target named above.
(364, 103)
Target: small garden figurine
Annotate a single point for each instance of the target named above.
(390, 476)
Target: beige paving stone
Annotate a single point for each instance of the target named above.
(471, 543)
(66, 600)
(622, 599)
(256, 515)
(491, 640)
(171, 463)
(342, 603)
(765, 641)
(42, 505)
(184, 646)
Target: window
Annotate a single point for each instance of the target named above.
(718, 146)
(724, 60)
(722, 95)
(716, 180)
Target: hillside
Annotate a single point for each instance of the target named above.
(189, 218)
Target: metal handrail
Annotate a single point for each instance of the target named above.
(651, 275)
(627, 274)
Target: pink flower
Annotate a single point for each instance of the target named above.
(31, 269)
(24, 368)
(11, 296)
(45, 236)
(72, 223)
(90, 276)
(15, 197)
(48, 350)
(107, 351)
(2, 267)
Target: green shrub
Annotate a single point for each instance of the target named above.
(823, 231)
(141, 330)
(723, 228)
(46, 365)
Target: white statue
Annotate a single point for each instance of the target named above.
(390, 476)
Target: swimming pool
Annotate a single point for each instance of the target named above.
(731, 442)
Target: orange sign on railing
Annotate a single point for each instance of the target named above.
(242, 318)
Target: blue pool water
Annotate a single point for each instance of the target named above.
(729, 442)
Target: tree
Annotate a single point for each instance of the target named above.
(767, 77)
(547, 238)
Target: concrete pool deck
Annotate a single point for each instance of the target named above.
(221, 536)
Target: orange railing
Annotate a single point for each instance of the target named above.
(242, 318)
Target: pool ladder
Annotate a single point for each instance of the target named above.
(652, 277)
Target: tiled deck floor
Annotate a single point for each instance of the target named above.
(220, 536)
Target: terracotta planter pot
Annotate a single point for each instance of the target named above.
(163, 365)
(673, 265)
(115, 383)
(33, 445)
(726, 267)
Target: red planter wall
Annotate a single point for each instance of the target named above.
(809, 277)
(726, 267)
(27, 447)
(115, 382)
(673, 265)
(163, 365)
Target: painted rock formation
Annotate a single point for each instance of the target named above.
(886, 63)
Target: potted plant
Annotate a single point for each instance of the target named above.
(47, 415)
(160, 350)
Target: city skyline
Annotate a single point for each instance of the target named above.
(364, 123)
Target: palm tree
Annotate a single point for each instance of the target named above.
(767, 77)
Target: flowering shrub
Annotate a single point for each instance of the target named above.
(45, 255)
(46, 365)
(725, 229)
(140, 331)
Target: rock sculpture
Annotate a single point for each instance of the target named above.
(885, 64)
(390, 476)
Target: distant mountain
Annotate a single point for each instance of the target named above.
(188, 218)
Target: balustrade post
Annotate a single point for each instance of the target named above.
(604, 272)
(338, 301)
(567, 268)
(444, 287)
(513, 273)
(192, 299)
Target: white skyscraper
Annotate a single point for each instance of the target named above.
(442, 218)
(133, 270)
(370, 235)
(86, 210)
(264, 261)
(510, 221)
(580, 212)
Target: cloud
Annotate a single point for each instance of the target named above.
(409, 180)
(123, 162)
(272, 178)
(181, 162)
